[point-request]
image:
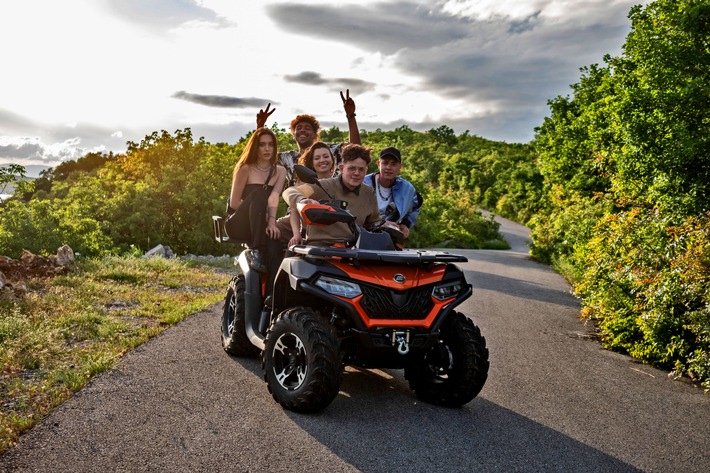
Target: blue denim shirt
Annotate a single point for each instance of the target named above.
(405, 196)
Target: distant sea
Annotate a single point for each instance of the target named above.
(33, 171)
(9, 190)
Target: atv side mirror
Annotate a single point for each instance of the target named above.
(305, 174)
(309, 176)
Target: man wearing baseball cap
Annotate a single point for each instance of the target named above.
(397, 199)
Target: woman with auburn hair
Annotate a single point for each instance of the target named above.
(320, 159)
(257, 183)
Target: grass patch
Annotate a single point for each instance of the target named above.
(499, 244)
(66, 330)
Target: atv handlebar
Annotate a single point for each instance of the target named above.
(392, 230)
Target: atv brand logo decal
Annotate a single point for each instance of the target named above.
(399, 278)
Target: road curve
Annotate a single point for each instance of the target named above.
(554, 401)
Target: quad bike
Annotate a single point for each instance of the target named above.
(366, 304)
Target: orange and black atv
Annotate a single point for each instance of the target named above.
(367, 304)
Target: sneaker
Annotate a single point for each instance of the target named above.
(256, 261)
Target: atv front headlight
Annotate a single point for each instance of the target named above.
(338, 287)
(446, 291)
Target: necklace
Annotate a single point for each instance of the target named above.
(385, 195)
(260, 169)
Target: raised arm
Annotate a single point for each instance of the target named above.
(263, 115)
(349, 106)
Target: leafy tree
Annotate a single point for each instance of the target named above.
(88, 163)
(10, 173)
(662, 105)
(66, 171)
(334, 135)
(452, 220)
(626, 164)
(43, 185)
(15, 175)
(647, 282)
(570, 144)
(444, 135)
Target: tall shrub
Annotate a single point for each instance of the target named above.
(647, 282)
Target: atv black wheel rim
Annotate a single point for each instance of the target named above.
(231, 313)
(290, 362)
(441, 361)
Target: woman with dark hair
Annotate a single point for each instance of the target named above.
(257, 182)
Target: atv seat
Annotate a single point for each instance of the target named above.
(220, 234)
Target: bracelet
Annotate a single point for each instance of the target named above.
(272, 217)
(351, 115)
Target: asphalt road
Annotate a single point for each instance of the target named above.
(554, 401)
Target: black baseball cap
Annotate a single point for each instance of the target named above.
(392, 152)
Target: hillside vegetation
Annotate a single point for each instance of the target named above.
(166, 188)
(626, 166)
(614, 188)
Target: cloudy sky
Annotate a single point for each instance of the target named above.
(90, 75)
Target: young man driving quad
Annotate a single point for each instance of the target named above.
(348, 187)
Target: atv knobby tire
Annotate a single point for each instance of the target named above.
(302, 361)
(234, 337)
(455, 369)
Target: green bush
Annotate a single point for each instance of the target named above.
(452, 221)
(567, 223)
(41, 227)
(647, 282)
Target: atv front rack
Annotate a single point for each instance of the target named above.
(404, 256)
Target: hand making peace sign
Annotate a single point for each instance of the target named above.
(263, 115)
(348, 103)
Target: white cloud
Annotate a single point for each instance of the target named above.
(31, 150)
(112, 68)
(487, 9)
